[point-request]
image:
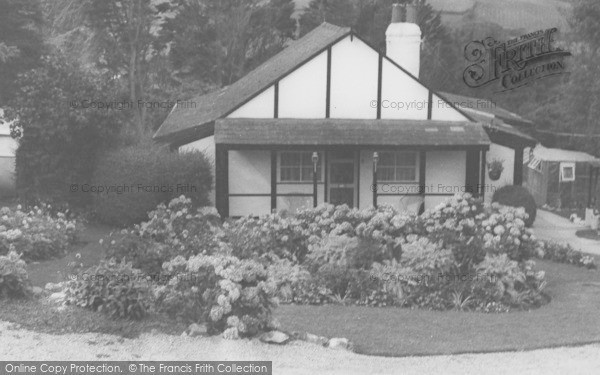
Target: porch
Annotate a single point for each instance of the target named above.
(289, 164)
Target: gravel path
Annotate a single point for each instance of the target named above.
(550, 226)
(295, 358)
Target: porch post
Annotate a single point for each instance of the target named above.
(374, 186)
(315, 160)
(518, 167)
(483, 174)
(273, 180)
(222, 180)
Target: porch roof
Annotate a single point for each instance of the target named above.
(350, 132)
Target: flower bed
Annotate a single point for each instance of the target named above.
(36, 234)
(462, 255)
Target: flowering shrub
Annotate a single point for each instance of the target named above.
(116, 289)
(36, 234)
(564, 253)
(172, 230)
(232, 296)
(14, 281)
(273, 234)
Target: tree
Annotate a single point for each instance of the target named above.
(21, 43)
(216, 42)
(371, 19)
(125, 36)
(58, 137)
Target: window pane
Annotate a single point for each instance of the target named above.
(397, 166)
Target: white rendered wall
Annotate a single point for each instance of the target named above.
(262, 106)
(303, 93)
(354, 77)
(402, 97)
(441, 110)
(249, 173)
(445, 173)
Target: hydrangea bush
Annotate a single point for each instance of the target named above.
(14, 281)
(233, 296)
(36, 234)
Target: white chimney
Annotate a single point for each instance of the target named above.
(403, 38)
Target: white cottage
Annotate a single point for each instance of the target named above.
(332, 119)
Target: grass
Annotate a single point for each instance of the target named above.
(590, 234)
(571, 318)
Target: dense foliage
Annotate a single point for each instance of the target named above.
(231, 295)
(116, 289)
(517, 196)
(138, 178)
(14, 281)
(59, 139)
(36, 234)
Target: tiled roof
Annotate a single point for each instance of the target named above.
(339, 132)
(185, 122)
(470, 105)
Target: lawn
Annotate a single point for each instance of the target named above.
(570, 318)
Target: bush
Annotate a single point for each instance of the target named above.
(173, 230)
(144, 254)
(564, 253)
(59, 143)
(36, 234)
(143, 176)
(14, 281)
(232, 296)
(116, 289)
(517, 196)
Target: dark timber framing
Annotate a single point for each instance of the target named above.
(222, 180)
(273, 180)
(473, 180)
(379, 84)
(328, 88)
(482, 173)
(422, 177)
(518, 167)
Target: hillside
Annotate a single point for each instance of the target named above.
(526, 15)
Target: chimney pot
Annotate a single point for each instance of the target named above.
(411, 13)
(398, 13)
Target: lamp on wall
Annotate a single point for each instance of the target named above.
(315, 160)
(374, 187)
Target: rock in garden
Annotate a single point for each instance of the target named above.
(314, 339)
(57, 297)
(197, 330)
(274, 337)
(339, 343)
(37, 291)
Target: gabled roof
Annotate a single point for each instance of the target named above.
(473, 105)
(217, 104)
(349, 132)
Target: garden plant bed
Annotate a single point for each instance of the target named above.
(571, 318)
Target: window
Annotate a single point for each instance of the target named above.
(298, 166)
(567, 171)
(397, 167)
(535, 164)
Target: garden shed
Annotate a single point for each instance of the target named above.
(562, 178)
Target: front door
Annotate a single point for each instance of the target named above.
(342, 178)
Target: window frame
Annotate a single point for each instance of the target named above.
(563, 168)
(301, 167)
(396, 166)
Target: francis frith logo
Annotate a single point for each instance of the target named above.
(516, 62)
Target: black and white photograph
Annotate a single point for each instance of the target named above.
(299, 187)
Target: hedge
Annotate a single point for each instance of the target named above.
(132, 181)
